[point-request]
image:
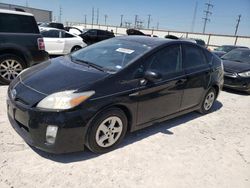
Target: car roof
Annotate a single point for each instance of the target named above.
(241, 49)
(235, 46)
(5, 11)
(146, 40)
(152, 41)
(52, 28)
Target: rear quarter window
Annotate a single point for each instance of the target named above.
(11, 23)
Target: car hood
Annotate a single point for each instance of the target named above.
(56, 75)
(234, 66)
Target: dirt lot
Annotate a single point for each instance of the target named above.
(190, 151)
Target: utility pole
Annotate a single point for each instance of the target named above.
(27, 4)
(237, 25)
(105, 18)
(60, 14)
(136, 19)
(149, 20)
(121, 20)
(93, 14)
(207, 14)
(85, 19)
(97, 16)
(157, 26)
(194, 16)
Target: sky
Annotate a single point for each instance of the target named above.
(170, 14)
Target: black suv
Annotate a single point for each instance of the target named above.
(92, 36)
(21, 44)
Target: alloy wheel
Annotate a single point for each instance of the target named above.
(209, 100)
(10, 68)
(109, 131)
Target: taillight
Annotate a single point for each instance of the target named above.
(40, 43)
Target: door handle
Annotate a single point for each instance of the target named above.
(181, 81)
(59, 41)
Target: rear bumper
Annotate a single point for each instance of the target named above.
(38, 57)
(238, 83)
(32, 126)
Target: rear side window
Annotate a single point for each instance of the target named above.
(12, 23)
(92, 32)
(67, 35)
(51, 33)
(193, 57)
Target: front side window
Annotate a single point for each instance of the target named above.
(166, 61)
(193, 57)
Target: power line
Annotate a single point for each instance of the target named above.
(237, 25)
(149, 20)
(207, 14)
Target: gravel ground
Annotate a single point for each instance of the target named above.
(189, 151)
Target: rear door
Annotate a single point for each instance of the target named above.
(198, 73)
(163, 97)
(54, 44)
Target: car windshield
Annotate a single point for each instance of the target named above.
(238, 55)
(111, 55)
(225, 48)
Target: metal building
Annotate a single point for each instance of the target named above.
(40, 15)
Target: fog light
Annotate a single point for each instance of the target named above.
(51, 134)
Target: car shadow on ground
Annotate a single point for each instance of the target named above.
(235, 92)
(130, 138)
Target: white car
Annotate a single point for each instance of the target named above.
(60, 42)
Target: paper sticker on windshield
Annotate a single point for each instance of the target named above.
(125, 50)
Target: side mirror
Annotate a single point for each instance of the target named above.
(152, 76)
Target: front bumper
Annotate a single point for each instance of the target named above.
(237, 83)
(31, 125)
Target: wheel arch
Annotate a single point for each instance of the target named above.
(17, 52)
(75, 47)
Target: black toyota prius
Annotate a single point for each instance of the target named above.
(92, 97)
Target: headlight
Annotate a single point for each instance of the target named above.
(244, 74)
(64, 100)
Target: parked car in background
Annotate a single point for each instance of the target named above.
(92, 97)
(91, 36)
(52, 24)
(200, 42)
(21, 44)
(73, 30)
(61, 42)
(237, 69)
(222, 50)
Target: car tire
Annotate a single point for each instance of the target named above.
(107, 130)
(75, 48)
(10, 66)
(208, 101)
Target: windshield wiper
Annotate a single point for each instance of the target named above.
(98, 67)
